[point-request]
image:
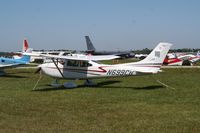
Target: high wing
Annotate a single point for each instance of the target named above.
(76, 57)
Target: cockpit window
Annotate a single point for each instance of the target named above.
(73, 63)
(83, 64)
(76, 63)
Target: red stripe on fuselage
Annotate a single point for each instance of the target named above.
(72, 69)
(148, 66)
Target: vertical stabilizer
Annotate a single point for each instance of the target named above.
(25, 45)
(158, 55)
(90, 46)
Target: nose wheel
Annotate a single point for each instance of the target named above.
(56, 83)
(70, 85)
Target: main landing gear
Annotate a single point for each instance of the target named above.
(90, 83)
(71, 84)
(56, 84)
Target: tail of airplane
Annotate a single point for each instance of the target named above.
(155, 59)
(25, 45)
(90, 46)
(157, 56)
(153, 62)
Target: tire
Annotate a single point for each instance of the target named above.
(186, 63)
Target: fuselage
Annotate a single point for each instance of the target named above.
(87, 68)
(93, 70)
(11, 61)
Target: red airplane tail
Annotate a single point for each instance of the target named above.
(25, 45)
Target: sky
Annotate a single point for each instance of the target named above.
(111, 24)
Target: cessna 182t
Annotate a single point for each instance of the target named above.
(86, 67)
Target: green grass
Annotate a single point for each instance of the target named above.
(125, 104)
(197, 64)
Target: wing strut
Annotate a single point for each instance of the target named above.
(57, 67)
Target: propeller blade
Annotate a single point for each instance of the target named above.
(38, 70)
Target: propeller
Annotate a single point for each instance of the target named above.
(38, 70)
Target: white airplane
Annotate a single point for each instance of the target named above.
(13, 62)
(141, 56)
(86, 67)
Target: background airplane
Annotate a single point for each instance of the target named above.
(186, 59)
(140, 56)
(92, 50)
(13, 62)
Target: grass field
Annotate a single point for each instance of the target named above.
(128, 104)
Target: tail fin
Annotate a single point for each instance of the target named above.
(25, 45)
(157, 56)
(90, 46)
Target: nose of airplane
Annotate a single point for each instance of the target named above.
(39, 68)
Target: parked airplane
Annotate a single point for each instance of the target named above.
(187, 59)
(140, 56)
(92, 50)
(12, 62)
(87, 68)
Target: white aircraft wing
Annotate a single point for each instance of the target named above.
(76, 57)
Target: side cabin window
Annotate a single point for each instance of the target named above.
(77, 63)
